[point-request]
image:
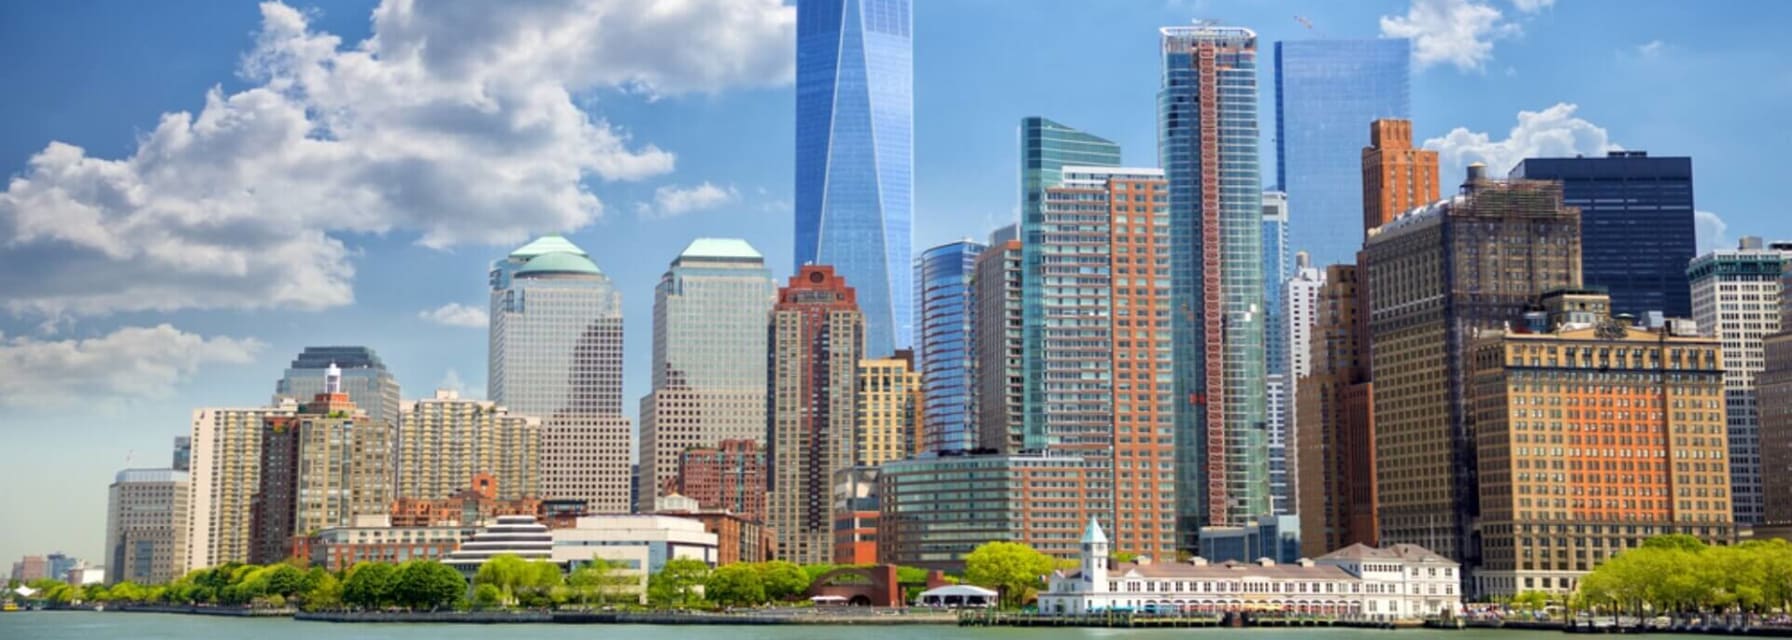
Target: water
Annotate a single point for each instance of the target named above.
(72, 625)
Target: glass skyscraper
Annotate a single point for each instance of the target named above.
(364, 378)
(943, 303)
(1207, 145)
(1277, 268)
(854, 122)
(1327, 93)
(1636, 225)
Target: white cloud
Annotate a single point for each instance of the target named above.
(129, 362)
(1552, 132)
(460, 122)
(1532, 6)
(672, 201)
(1651, 48)
(455, 314)
(1457, 32)
(1712, 232)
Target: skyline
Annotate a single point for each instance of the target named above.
(228, 355)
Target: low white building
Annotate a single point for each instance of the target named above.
(1399, 582)
(519, 536)
(634, 544)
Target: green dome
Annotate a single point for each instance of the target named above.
(545, 245)
(558, 263)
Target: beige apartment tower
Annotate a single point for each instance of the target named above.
(224, 474)
(444, 441)
(889, 415)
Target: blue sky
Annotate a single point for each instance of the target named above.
(338, 191)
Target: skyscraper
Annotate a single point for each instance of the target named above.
(943, 311)
(1325, 91)
(556, 353)
(888, 421)
(854, 138)
(1000, 395)
(1396, 176)
(816, 340)
(1207, 145)
(183, 452)
(709, 313)
(221, 486)
(1636, 225)
(146, 526)
(1278, 264)
(445, 441)
(364, 378)
(1735, 296)
(320, 468)
(1773, 390)
(1294, 325)
(1334, 423)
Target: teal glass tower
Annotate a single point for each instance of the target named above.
(943, 304)
(854, 134)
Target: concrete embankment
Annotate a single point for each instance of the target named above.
(234, 612)
(606, 617)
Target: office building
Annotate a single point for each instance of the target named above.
(364, 378)
(1207, 145)
(1274, 537)
(1636, 225)
(1773, 388)
(854, 155)
(727, 477)
(1396, 176)
(30, 568)
(943, 315)
(1736, 298)
(1294, 325)
(738, 539)
(146, 531)
(998, 370)
(709, 313)
(1278, 266)
(320, 468)
(855, 515)
(635, 546)
(1325, 91)
(817, 339)
(183, 453)
(221, 486)
(888, 422)
(556, 354)
(1436, 276)
(1631, 453)
(445, 442)
(1334, 422)
(935, 509)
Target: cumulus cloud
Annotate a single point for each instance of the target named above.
(1532, 6)
(1552, 132)
(1712, 232)
(1457, 32)
(459, 122)
(455, 314)
(672, 201)
(1651, 48)
(129, 362)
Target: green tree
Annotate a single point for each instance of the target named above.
(1013, 569)
(596, 580)
(737, 585)
(427, 584)
(1531, 600)
(325, 593)
(507, 572)
(676, 583)
(1124, 556)
(488, 596)
(782, 579)
(370, 585)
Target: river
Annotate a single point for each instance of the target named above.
(82, 625)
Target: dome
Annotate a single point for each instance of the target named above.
(558, 263)
(546, 245)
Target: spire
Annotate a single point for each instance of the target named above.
(332, 379)
(1093, 534)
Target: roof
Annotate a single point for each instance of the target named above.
(1224, 570)
(1403, 552)
(559, 263)
(547, 244)
(959, 590)
(1093, 534)
(721, 248)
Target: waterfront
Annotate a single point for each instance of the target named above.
(81, 625)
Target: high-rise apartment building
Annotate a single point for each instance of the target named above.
(999, 368)
(1636, 225)
(1325, 91)
(854, 155)
(816, 340)
(183, 453)
(445, 441)
(146, 532)
(1631, 445)
(1736, 298)
(556, 354)
(729, 476)
(1207, 145)
(943, 315)
(320, 468)
(1436, 276)
(1278, 266)
(364, 378)
(1335, 424)
(1300, 303)
(1396, 176)
(1098, 356)
(1294, 325)
(709, 313)
(889, 420)
(1046, 147)
(221, 486)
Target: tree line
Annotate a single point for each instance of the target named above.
(1678, 574)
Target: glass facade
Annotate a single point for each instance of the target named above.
(854, 122)
(1278, 266)
(1207, 145)
(1636, 225)
(1327, 93)
(943, 292)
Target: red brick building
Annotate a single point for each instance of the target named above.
(465, 508)
(727, 477)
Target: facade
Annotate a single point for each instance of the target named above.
(999, 395)
(634, 545)
(709, 314)
(728, 477)
(943, 317)
(935, 509)
(816, 341)
(469, 507)
(889, 420)
(1275, 537)
(1207, 145)
(1334, 422)
(556, 354)
(1278, 267)
(1773, 387)
(1098, 358)
(364, 378)
(320, 468)
(1046, 147)
(445, 442)
(1624, 452)
(226, 474)
(183, 453)
(1636, 225)
(1325, 91)
(1396, 176)
(30, 568)
(374, 539)
(520, 536)
(1736, 297)
(146, 519)
(854, 155)
(1436, 276)
(738, 539)
(855, 516)
(1299, 300)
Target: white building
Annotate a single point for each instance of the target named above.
(1396, 583)
(634, 544)
(519, 536)
(224, 475)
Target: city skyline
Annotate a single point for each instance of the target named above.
(222, 339)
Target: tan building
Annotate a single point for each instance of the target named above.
(1000, 398)
(889, 417)
(1335, 442)
(1773, 387)
(1592, 437)
(816, 340)
(444, 441)
(146, 533)
(320, 468)
(1396, 177)
(225, 473)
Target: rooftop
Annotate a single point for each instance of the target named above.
(547, 244)
(734, 248)
(559, 263)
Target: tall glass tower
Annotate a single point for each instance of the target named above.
(1326, 92)
(1207, 145)
(943, 302)
(854, 135)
